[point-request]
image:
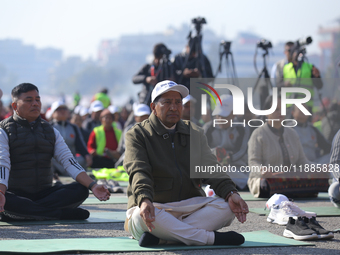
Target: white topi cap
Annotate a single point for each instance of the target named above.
(166, 86)
(113, 109)
(55, 105)
(189, 98)
(226, 108)
(96, 106)
(141, 110)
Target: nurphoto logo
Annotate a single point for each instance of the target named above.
(239, 102)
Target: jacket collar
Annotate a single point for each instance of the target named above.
(61, 123)
(161, 130)
(24, 122)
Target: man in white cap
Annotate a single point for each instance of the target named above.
(72, 136)
(141, 112)
(189, 103)
(115, 113)
(96, 109)
(229, 143)
(165, 205)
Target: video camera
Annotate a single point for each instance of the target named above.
(303, 42)
(264, 44)
(300, 49)
(161, 50)
(226, 45)
(198, 22)
(165, 51)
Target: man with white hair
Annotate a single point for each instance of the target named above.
(165, 204)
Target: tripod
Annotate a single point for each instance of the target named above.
(231, 72)
(264, 90)
(163, 72)
(195, 45)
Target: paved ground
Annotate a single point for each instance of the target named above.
(254, 223)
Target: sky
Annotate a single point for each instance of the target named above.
(78, 26)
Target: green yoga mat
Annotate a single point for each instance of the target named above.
(112, 200)
(123, 184)
(247, 196)
(95, 217)
(321, 211)
(125, 244)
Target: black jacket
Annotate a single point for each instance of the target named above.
(31, 147)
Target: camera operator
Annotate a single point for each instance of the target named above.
(299, 73)
(150, 74)
(277, 69)
(193, 68)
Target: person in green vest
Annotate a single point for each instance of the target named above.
(103, 97)
(301, 74)
(76, 99)
(103, 142)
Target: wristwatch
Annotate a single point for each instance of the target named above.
(230, 194)
(91, 184)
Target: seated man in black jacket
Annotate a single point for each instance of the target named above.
(160, 69)
(27, 145)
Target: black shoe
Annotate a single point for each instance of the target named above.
(321, 232)
(299, 230)
(74, 214)
(148, 239)
(114, 187)
(8, 217)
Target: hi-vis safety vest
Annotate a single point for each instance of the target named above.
(102, 97)
(101, 139)
(302, 79)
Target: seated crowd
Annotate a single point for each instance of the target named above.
(165, 202)
(96, 138)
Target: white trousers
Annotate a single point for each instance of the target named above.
(190, 221)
